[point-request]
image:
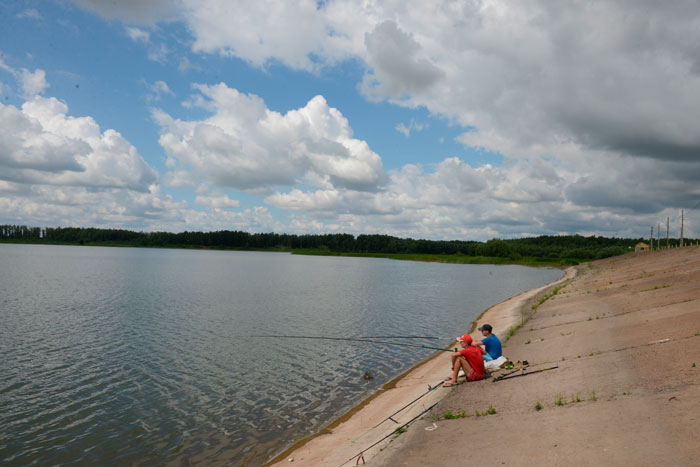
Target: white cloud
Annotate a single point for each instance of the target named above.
(33, 83)
(185, 65)
(5, 66)
(245, 146)
(138, 35)
(456, 200)
(157, 90)
(412, 126)
(289, 32)
(29, 13)
(217, 201)
(61, 170)
(158, 53)
(41, 144)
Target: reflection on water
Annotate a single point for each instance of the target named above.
(138, 356)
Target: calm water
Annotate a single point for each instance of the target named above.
(137, 356)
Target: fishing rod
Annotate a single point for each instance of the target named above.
(510, 376)
(356, 339)
(430, 388)
(390, 434)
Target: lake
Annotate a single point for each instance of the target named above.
(148, 356)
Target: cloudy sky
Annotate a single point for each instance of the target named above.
(442, 120)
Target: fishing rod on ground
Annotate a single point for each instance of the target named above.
(360, 454)
(390, 417)
(511, 376)
(357, 339)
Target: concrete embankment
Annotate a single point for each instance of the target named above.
(621, 346)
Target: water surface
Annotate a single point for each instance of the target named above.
(145, 356)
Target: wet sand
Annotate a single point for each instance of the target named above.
(365, 430)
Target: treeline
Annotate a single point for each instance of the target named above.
(551, 247)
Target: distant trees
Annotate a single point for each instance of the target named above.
(562, 246)
(20, 232)
(495, 247)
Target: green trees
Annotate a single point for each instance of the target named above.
(20, 232)
(495, 247)
(573, 247)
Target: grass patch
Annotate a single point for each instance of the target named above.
(448, 415)
(592, 396)
(515, 329)
(538, 405)
(549, 295)
(559, 399)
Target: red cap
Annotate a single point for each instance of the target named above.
(467, 339)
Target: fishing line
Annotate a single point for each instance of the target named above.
(355, 339)
(403, 337)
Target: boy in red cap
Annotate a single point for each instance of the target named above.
(470, 359)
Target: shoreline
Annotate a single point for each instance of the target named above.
(368, 422)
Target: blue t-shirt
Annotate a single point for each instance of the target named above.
(493, 346)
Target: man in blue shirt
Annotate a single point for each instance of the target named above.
(490, 342)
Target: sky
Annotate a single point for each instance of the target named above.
(462, 120)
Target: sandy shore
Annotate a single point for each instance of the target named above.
(624, 336)
(367, 428)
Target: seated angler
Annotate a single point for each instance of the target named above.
(469, 359)
(490, 342)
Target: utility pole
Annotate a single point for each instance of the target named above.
(682, 219)
(651, 239)
(658, 235)
(667, 220)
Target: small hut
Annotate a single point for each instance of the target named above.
(641, 246)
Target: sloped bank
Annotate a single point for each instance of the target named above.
(623, 341)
